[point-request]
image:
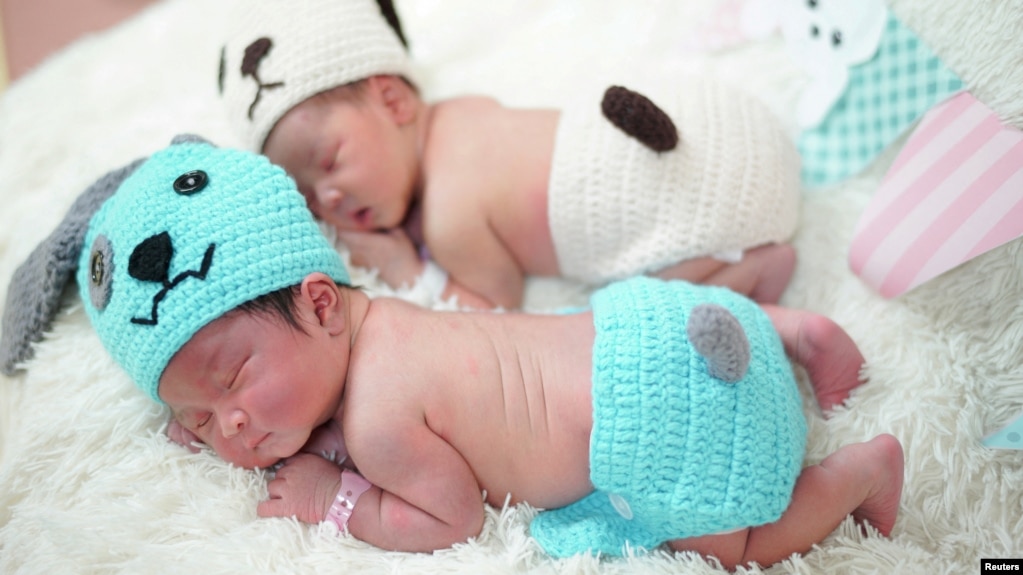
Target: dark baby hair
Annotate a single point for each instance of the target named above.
(279, 305)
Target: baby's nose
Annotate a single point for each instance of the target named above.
(329, 197)
(233, 422)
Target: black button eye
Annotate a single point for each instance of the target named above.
(836, 38)
(191, 182)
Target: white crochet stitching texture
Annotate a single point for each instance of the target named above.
(618, 209)
(316, 45)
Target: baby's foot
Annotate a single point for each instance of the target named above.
(882, 460)
(830, 357)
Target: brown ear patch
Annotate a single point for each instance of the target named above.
(634, 114)
(254, 54)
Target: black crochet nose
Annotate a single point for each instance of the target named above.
(150, 260)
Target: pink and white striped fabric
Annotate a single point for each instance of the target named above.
(954, 192)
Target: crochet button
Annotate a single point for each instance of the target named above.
(620, 505)
(191, 182)
(101, 272)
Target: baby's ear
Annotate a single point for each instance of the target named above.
(397, 96)
(323, 295)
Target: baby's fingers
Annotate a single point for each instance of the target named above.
(279, 504)
(178, 434)
(273, 508)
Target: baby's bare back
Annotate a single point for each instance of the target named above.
(509, 392)
(489, 164)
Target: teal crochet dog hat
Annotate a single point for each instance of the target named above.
(178, 240)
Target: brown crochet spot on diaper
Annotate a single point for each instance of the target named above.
(634, 114)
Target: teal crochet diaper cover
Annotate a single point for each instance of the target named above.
(675, 451)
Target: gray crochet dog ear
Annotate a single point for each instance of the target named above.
(189, 139)
(33, 296)
(718, 336)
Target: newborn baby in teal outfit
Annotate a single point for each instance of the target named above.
(667, 413)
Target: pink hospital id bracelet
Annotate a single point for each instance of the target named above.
(352, 487)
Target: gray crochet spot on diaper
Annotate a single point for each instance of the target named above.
(718, 336)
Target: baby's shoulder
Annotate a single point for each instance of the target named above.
(386, 341)
(463, 107)
(464, 119)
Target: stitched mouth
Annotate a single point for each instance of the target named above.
(150, 262)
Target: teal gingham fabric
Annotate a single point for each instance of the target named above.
(884, 97)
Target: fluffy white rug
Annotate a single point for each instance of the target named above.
(89, 484)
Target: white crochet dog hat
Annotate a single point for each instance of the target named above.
(279, 53)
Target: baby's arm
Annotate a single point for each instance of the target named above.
(479, 263)
(397, 261)
(431, 498)
(762, 274)
(390, 252)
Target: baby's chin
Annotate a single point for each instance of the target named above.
(255, 461)
(252, 459)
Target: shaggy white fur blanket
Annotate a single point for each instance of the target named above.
(89, 483)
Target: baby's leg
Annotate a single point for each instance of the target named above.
(763, 273)
(831, 358)
(728, 548)
(864, 479)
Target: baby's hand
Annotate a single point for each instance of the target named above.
(304, 487)
(178, 434)
(391, 252)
